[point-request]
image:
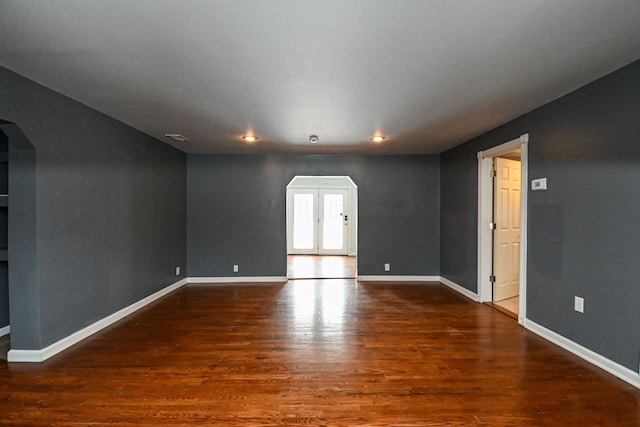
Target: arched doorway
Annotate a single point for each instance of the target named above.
(18, 249)
(322, 214)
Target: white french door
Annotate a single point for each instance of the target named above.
(318, 221)
(333, 222)
(303, 221)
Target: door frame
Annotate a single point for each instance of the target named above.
(485, 217)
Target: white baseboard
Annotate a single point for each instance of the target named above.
(398, 278)
(460, 289)
(55, 348)
(590, 356)
(246, 279)
(16, 355)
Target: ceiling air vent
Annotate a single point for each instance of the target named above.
(177, 137)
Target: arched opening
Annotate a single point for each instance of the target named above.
(18, 249)
(5, 327)
(322, 221)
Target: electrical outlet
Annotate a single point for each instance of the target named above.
(235, 268)
(177, 271)
(578, 304)
(387, 267)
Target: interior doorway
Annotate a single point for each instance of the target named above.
(5, 327)
(502, 226)
(322, 213)
(18, 241)
(506, 231)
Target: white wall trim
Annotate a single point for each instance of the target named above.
(239, 279)
(33, 356)
(514, 144)
(398, 278)
(16, 355)
(460, 289)
(485, 213)
(524, 227)
(5, 330)
(590, 356)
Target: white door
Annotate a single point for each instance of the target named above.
(303, 221)
(333, 222)
(506, 237)
(318, 221)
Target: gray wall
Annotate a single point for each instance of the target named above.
(236, 211)
(111, 212)
(584, 237)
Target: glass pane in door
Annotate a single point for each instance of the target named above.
(303, 217)
(333, 221)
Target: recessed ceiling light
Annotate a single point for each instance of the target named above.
(313, 139)
(177, 137)
(249, 138)
(378, 138)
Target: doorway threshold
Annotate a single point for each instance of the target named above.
(498, 307)
(306, 267)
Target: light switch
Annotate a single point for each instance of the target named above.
(538, 184)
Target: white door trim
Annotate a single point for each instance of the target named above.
(485, 201)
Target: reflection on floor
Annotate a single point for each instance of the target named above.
(509, 306)
(315, 353)
(321, 267)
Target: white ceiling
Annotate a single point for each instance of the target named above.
(428, 74)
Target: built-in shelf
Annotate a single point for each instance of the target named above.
(4, 255)
(4, 200)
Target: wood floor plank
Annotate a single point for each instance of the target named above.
(315, 352)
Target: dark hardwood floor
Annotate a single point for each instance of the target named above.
(315, 352)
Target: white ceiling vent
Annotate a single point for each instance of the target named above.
(177, 137)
